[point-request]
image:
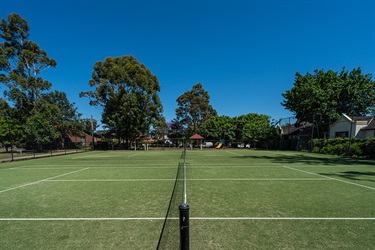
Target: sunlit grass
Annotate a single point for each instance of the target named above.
(239, 199)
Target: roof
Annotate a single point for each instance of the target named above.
(196, 137)
(357, 118)
(291, 128)
(144, 138)
(363, 118)
(370, 125)
(288, 129)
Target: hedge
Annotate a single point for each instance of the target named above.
(345, 147)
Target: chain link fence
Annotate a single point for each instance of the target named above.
(18, 151)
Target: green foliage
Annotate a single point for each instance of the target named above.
(38, 128)
(43, 115)
(219, 127)
(176, 129)
(369, 147)
(10, 131)
(194, 108)
(345, 147)
(128, 93)
(22, 60)
(328, 94)
(159, 129)
(250, 127)
(87, 126)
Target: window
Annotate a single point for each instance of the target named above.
(342, 134)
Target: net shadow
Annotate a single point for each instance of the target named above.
(170, 234)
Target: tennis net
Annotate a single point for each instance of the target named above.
(170, 234)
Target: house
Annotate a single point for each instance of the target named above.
(84, 139)
(356, 126)
(296, 136)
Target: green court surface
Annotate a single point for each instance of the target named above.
(239, 199)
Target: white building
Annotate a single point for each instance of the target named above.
(357, 126)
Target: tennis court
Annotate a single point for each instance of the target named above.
(239, 199)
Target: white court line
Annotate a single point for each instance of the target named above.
(80, 166)
(277, 218)
(58, 168)
(111, 180)
(36, 182)
(261, 179)
(191, 218)
(347, 182)
(233, 153)
(12, 168)
(135, 154)
(201, 179)
(77, 219)
(91, 155)
(232, 166)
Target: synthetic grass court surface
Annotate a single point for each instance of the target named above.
(239, 199)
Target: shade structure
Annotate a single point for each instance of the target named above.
(196, 137)
(144, 138)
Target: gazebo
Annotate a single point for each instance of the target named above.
(145, 139)
(197, 137)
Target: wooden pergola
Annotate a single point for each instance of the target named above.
(197, 137)
(145, 139)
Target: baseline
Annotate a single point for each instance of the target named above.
(192, 179)
(76, 219)
(110, 180)
(195, 218)
(279, 218)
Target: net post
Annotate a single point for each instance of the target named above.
(184, 226)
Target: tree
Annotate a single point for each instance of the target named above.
(5, 109)
(64, 116)
(87, 126)
(254, 127)
(159, 129)
(128, 93)
(321, 97)
(194, 108)
(219, 128)
(10, 132)
(22, 61)
(44, 115)
(244, 128)
(176, 129)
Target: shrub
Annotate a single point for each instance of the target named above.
(345, 147)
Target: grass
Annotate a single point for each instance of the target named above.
(239, 199)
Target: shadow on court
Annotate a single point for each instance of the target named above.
(307, 159)
(354, 175)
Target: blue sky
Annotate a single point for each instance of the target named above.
(245, 53)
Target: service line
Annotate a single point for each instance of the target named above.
(47, 179)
